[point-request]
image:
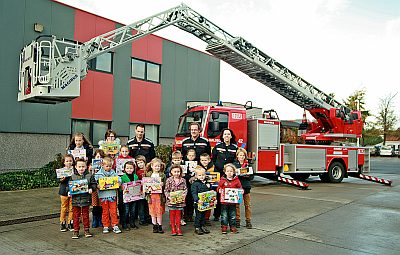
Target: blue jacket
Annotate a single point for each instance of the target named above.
(107, 194)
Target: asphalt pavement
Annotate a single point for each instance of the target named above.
(352, 217)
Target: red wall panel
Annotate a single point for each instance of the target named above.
(148, 48)
(145, 104)
(96, 98)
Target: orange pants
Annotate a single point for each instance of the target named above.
(109, 211)
(66, 206)
(247, 207)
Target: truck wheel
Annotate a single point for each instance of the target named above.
(336, 172)
(300, 177)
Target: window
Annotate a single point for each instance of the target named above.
(145, 70)
(151, 132)
(102, 63)
(93, 130)
(217, 122)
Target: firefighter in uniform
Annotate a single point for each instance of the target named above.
(140, 145)
(196, 142)
(222, 154)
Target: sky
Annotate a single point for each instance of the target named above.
(339, 46)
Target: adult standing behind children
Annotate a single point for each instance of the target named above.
(222, 154)
(196, 142)
(140, 145)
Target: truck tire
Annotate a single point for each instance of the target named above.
(300, 177)
(336, 172)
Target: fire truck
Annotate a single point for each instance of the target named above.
(51, 68)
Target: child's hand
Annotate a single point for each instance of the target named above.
(90, 191)
(98, 187)
(63, 179)
(69, 194)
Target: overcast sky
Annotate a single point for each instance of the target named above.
(339, 46)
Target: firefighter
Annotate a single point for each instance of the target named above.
(196, 142)
(140, 145)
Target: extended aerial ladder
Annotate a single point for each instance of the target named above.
(51, 69)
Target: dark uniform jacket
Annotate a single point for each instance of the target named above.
(199, 187)
(222, 155)
(84, 199)
(145, 148)
(200, 145)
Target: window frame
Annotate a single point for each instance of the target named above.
(92, 65)
(146, 63)
(91, 124)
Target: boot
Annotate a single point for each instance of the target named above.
(172, 222)
(205, 230)
(224, 229)
(198, 231)
(155, 228)
(248, 224)
(238, 223)
(160, 230)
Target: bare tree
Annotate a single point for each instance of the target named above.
(386, 118)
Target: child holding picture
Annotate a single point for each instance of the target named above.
(79, 142)
(129, 207)
(240, 163)
(81, 202)
(66, 201)
(156, 201)
(228, 210)
(173, 184)
(200, 185)
(208, 166)
(189, 209)
(108, 198)
(142, 205)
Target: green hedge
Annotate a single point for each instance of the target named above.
(164, 153)
(23, 180)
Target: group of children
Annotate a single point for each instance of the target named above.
(108, 204)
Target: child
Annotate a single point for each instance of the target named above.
(123, 154)
(79, 141)
(200, 185)
(81, 202)
(130, 207)
(228, 210)
(176, 160)
(66, 201)
(156, 201)
(174, 183)
(142, 205)
(108, 198)
(96, 210)
(208, 166)
(189, 209)
(242, 162)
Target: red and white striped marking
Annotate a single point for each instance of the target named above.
(375, 179)
(300, 184)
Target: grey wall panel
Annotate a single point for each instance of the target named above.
(187, 75)
(12, 29)
(121, 96)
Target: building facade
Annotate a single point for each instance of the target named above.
(148, 81)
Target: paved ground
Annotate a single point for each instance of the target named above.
(353, 217)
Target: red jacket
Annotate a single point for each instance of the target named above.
(225, 183)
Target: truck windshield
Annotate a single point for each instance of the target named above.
(186, 119)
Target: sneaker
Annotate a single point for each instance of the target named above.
(105, 230)
(71, 227)
(88, 234)
(133, 226)
(143, 223)
(205, 231)
(224, 229)
(183, 223)
(198, 231)
(75, 235)
(234, 230)
(116, 229)
(63, 227)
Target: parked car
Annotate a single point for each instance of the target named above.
(386, 151)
